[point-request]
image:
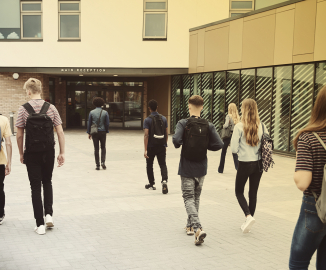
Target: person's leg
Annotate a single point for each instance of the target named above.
(47, 170)
(2, 191)
(254, 180)
(103, 146)
(96, 149)
(223, 154)
(188, 194)
(321, 251)
(198, 188)
(235, 160)
(161, 158)
(240, 182)
(149, 165)
(34, 169)
(308, 236)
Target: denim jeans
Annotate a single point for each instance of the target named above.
(191, 190)
(2, 192)
(309, 235)
(160, 153)
(223, 154)
(40, 167)
(100, 137)
(253, 171)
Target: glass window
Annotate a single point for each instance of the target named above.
(133, 109)
(281, 107)
(218, 100)
(133, 83)
(76, 109)
(31, 20)
(264, 83)
(9, 19)
(266, 3)
(155, 21)
(232, 88)
(320, 77)
(206, 94)
(175, 102)
(247, 85)
(236, 14)
(75, 83)
(69, 20)
(302, 96)
(241, 5)
(187, 92)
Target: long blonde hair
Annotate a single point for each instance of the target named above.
(251, 121)
(317, 120)
(233, 113)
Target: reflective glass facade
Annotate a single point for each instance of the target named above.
(284, 94)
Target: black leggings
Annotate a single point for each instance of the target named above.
(253, 171)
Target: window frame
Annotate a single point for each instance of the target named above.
(66, 13)
(252, 5)
(155, 37)
(156, 10)
(30, 13)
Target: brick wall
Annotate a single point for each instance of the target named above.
(12, 93)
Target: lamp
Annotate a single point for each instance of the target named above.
(15, 76)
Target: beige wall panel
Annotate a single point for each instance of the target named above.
(201, 48)
(235, 41)
(235, 65)
(217, 26)
(259, 15)
(216, 49)
(258, 42)
(193, 50)
(321, 0)
(304, 27)
(284, 28)
(303, 58)
(282, 9)
(320, 37)
(200, 69)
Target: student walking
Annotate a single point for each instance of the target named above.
(38, 117)
(310, 232)
(196, 135)
(155, 142)
(230, 120)
(246, 141)
(5, 163)
(101, 119)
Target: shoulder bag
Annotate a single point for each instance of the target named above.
(94, 127)
(226, 133)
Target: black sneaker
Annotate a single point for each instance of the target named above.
(165, 187)
(2, 218)
(103, 166)
(151, 187)
(97, 168)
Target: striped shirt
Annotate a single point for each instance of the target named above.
(311, 156)
(37, 105)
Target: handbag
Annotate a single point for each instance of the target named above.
(226, 133)
(94, 127)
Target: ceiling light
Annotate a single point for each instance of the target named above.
(115, 75)
(81, 75)
(90, 84)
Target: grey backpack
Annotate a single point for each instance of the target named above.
(321, 201)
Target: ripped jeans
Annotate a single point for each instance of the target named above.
(191, 190)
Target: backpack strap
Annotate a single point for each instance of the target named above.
(99, 119)
(29, 108)
(320, 140)
(45, 107)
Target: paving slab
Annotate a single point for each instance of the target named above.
(107, 220)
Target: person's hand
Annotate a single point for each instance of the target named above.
(61, 160)
(8, 169)
(22, 159)
(89, 136)
(145, 155)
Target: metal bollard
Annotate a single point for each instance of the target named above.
(11, 114)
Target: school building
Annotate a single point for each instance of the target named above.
(131, 51)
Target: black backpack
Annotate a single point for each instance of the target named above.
(195, 139)
(39, 129)
(157, 130)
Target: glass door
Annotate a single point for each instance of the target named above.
(76, 109)
(114, 106)
(133, 109)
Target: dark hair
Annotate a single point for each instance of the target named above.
(153, 105)
(196, 100)
(98, 102)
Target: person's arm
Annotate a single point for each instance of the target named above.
(167, 136)
(107, 122)
(177, 138)
(235, 140)
(304, 164)
(20, 143)
(215, 142)
(9, 155)
(61, 139)
(227, 121)
(146, 135)
(89, 123)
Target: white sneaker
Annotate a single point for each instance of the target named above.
(246, 227)
(40, 229)
(49, 221)
(1, 219)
